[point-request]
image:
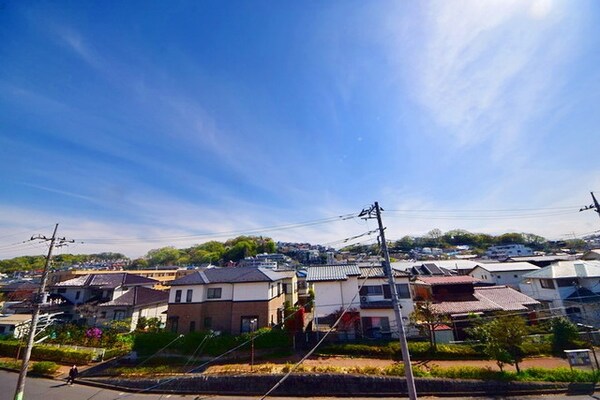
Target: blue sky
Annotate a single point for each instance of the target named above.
(133, 121)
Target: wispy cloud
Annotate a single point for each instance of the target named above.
(487, 68)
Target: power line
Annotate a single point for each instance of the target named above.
(222, 234)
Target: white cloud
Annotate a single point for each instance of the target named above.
(486, 68)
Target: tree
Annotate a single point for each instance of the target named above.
(564, 335)
(425, 317)
(163, 256)
(502, 339)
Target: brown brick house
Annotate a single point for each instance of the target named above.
(231, 300)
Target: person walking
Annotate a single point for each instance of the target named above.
(72, 375)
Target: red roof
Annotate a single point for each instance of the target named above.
(446, 280)
(491, 298)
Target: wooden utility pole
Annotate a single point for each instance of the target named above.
(387, 267)
(39, 299)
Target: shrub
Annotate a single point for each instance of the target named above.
(48, 353)
(10, 364)
(64, 355)
(44, 368)
(558, 375)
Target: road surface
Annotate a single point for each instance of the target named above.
(48, 389)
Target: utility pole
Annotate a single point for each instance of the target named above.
(594, 206)
(39, 299)
(387, 267)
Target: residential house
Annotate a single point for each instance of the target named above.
(92, 290)
(506, 273)
(232, 300)
(364, 292)
(163, 276)
(457, 298)
(134, 304)
(569, 288)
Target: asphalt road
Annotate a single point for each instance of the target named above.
(48, 389)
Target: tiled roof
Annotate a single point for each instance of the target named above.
(230, 275)
(508, 266)
(138, 296)
(18, 286)
(339, 272)
(377, 272)
(567, 269)
(446, 280)
(490, 298)
(106, 281)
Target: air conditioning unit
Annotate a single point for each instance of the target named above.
(364, 299)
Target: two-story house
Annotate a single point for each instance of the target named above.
(94, 289)
(232, 300)
(570, 288)
(363, 291)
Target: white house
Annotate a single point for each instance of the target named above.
(507, 273)
(570, 288)
(365, 291)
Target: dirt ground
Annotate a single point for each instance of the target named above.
(348, 362)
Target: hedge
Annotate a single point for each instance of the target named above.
(422, 350)
(201, 343)
(44, 368)
(418, 350)
(48, 353)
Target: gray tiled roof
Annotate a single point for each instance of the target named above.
(339, 272)
(106, 281)
(377, 272)
(229, 275)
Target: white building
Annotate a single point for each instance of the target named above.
(508, 273)
(365, 291)
(568, 288)
(508, 250)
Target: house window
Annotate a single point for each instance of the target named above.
(77, 295)
(119, 315)
(249, 323)
(403, 290)
(371, 290)
(103, 314)
(178, 296)
(499, 277)
(188, 295)
(192, 326)
(515, 276)
(207, 322)
(174, 321)
(213, 293)
(568, 282)
(547, 283)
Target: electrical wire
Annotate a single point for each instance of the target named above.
(311, 351)
(222, 234)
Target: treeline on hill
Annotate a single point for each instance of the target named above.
(217, 253)
(478, 242)
(28, 263)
